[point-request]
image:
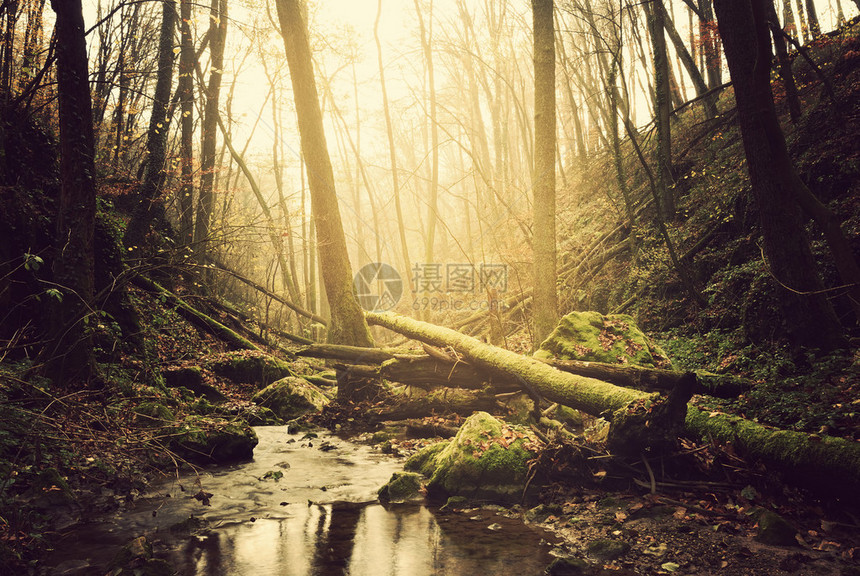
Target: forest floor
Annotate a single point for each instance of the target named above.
(74, 456)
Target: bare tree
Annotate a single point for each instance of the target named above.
(545, 306)
(206, 196)
(347, 320)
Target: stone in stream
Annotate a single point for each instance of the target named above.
(487, 460)
(403, 487)
(205, 440)
(291, 397)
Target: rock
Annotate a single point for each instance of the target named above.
(607, 550)
(522, 409)
(206, 440)
(568, 567)
(485, 460)
(249, 367)
(191, 377)
(773, 529)
(135, 559)
(291, 397)
(403, 487)
(593, 337)
(542, 511)
(153, 414)
(261, 416)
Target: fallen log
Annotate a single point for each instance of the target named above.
(822, 462)
(831, 464)
(655, 379)
(438, 403)
(589, 395)
(426, 371)
(196, 317)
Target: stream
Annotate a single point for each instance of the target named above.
(304, 506)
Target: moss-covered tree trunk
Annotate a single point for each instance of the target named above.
(347, 323)
(823, 462)
(586, 394)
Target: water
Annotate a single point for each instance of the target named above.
(320, 517)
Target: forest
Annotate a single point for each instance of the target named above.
(574, 280)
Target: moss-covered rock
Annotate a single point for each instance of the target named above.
(607, 550)
(207, 440)
(403, 487)
(775, 530)
(487, 459)
(249, 367)
(291, 397)
(424, 461)
(261, 416)
(153, 414)
(191, 377)
(593, 337)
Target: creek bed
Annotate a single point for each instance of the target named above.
(304, 506)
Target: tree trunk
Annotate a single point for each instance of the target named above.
(70, 355)
(690, 65)
(634, 428)
(392, 151)
(826, 463)
(784, 63)
(810, 318)
(814, 26)
(206, 197)
(832, 463)
(347, 323)
(545, 306)
(156, 138)
(185, 88)
(433, 198)
(662, 110)
(196, 317)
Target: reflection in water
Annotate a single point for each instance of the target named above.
(259, 527)
(365, 540)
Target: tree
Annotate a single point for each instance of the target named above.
(744, 29)
(156, 138)
(206, 197)
(70, 355)
(347, 320)
(545, 298)
(662, 109)
(392, 151)
(185, 89)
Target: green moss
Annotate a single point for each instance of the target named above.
(250, 367)
(291, 397)
(593, 337)
(206, 440)
(403, 487)
(820, 461)
(424, 461)
(486, 459)
(153, 414)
